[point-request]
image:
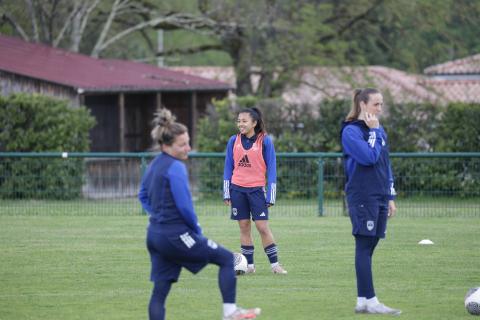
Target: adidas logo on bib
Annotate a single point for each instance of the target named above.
(244, 162)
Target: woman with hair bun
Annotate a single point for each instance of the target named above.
(174, 237)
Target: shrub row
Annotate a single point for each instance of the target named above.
(35, 123)
(411, 128)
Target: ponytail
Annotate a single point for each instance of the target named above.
(359, 95)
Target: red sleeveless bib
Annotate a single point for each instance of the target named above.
(249, 166)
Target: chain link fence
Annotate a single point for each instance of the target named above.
(428, 184)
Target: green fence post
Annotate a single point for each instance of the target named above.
(320, 187)
(143, 167)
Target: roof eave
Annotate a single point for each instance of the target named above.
(82, 89)
(86, 90)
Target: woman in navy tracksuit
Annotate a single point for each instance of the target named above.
(369, 189)
(174, 237)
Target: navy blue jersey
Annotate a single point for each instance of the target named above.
(367, 164)
(268, 153)
(165, 195)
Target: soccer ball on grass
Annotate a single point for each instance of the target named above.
(239, 263)
(472, 301)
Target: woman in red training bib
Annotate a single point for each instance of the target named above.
(250, 158)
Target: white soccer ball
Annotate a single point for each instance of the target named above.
(472, 301)
(239, 263)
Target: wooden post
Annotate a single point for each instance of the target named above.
(158, 103)
(121, 121)
(80, 100)
(193, 117)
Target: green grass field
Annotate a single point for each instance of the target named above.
(97, 267)
(411, 207)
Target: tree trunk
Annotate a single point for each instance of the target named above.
(240, 53)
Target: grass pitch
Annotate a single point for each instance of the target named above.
(97, 267)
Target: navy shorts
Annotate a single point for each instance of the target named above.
(246, 205)
(369, 218)
(170, 252)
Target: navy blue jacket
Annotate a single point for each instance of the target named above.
(165, 195)
(367, 163)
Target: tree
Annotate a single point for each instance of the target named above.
(412, 35)
(87, 26)
(272, 38)
(267, 39)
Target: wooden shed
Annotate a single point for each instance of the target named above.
(121, 95)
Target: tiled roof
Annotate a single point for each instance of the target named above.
(224, 74)
(319, 83)
(466, 91)
(90, 74)
(468, 65)
(398, 86)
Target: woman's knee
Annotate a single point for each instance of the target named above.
(263, 228)
(161, 288)
(245, 226)
(365, 243)
(222, 257)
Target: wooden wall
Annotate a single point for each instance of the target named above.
(104, 135)
(12, 83)
(139, 110)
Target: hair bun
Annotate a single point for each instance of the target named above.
(163, 118)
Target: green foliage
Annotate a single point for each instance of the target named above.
(35, 123)
(426, 128)
(410, 127)
(438, 177)
(409, 35)
(306, 128)
(214, 130)
(459, 129)
(293, 128)
(216, 127)
(419, 122)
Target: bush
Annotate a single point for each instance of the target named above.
(215, 129)
(410, 128)
(459, 130)
(35, 123)
(413, 127)
(427, 128)
(293, 129)
(305, 128)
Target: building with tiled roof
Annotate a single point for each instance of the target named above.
(457, 80)
(330, 83)
(469, 66)
(122, 95)
(454, 81)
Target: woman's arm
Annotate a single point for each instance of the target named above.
(177, 176)
(271, 162)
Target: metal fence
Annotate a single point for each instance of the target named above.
(428, 184)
